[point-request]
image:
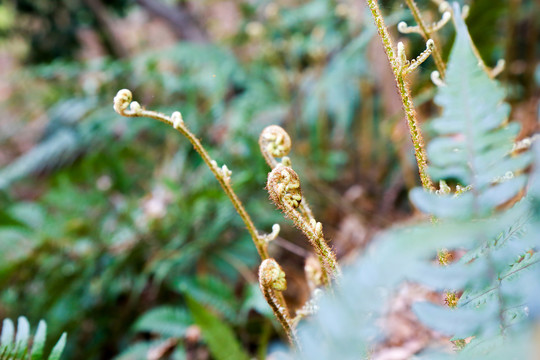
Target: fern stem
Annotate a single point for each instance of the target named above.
(426, 34)
(121, 103)
(406, 99)
(415, 133)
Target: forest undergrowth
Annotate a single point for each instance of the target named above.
(136, 253)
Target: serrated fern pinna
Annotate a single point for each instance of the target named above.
(20, 345)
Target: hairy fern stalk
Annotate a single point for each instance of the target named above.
(284, 189)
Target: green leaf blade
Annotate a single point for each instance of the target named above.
(57, 350)
(165, 320)
(39, 341)
(220, 338)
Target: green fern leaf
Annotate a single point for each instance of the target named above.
(211, 291)
(165, 320)
(56, 151)
(347, 319)
(461, 322)
(20, 346)
(8, 331)
(473, 147)
(218, 335)
(22, 337)
(39, 341)
(473, 138)
(57, 350)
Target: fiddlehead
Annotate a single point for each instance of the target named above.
(274, 143)
(284, 188)
(272, 279)
(285, 192)
(122, 101)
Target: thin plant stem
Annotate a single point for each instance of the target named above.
(123, 100)
(406, 99)
(426, 34)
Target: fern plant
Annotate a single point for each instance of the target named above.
(473, 151)
(164, 248)
(20, 345)
(284, 188)
(491, 291)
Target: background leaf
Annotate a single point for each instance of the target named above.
(217, 334)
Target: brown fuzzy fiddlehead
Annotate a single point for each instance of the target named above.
(274, 143)
(272, 276)
(272, 279)
(124, 106)
(284, 188)
(285, 192)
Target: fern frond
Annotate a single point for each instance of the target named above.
(500, 268)
(349, 318)
(19, 345)
(474, 140)
(218, 335)
(62, 142)
(56, 151)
